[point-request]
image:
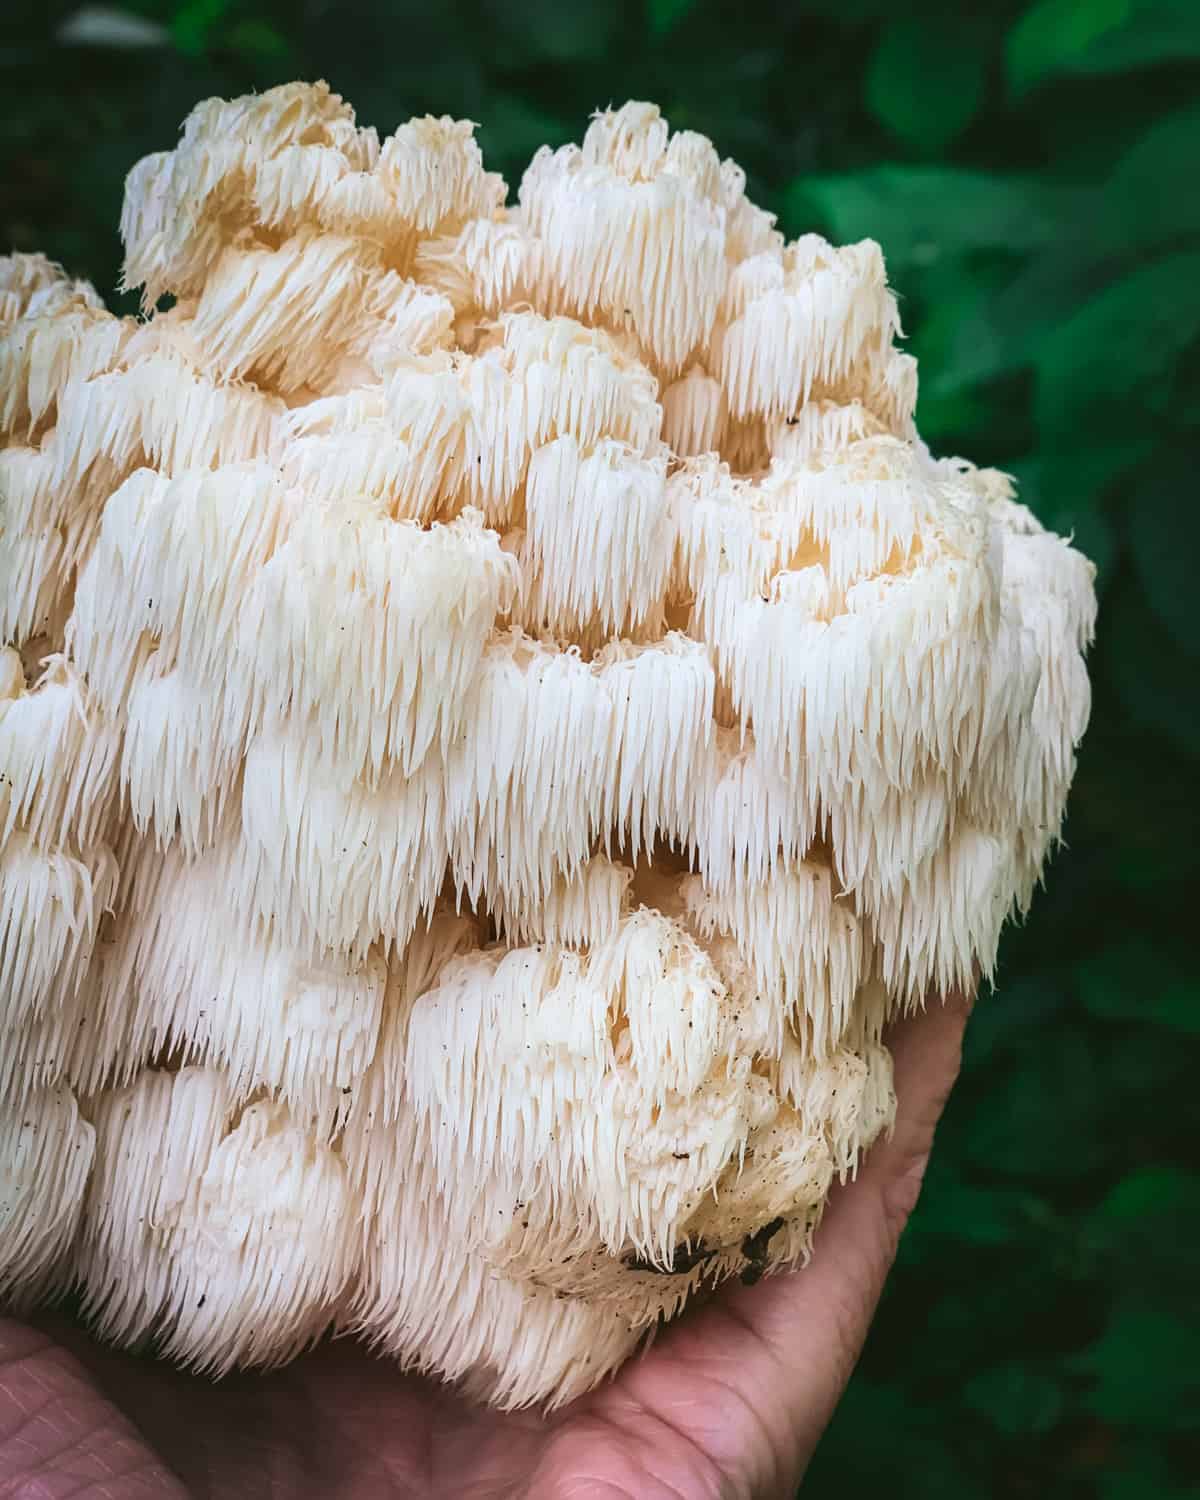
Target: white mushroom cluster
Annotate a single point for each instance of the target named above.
(499, 710)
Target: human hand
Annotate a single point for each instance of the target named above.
(728, 1402)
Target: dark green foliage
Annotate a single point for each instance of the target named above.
(1031, 173)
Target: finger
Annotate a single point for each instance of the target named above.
(58, 1434)
(811, 1325)
(775, 1357)
(926, 1053)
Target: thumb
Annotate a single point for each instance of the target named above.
(813, 1323)
(786, 1346)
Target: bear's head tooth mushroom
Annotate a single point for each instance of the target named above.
(498, 708)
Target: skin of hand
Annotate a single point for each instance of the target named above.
(727, 1404)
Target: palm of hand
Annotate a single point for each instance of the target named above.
(729, 1402)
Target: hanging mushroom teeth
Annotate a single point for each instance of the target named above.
(498, 710)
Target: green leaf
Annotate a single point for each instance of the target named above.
(1145, 1368)
(1139, 206)
(665, 15)
(194, 21)
(578, 32)
(1178, 1007)
(1143, 1474)
(923, 214)
(1141, 1235)
(1041, 1117)
(951, 1208)
(255, 38)
(944, 414)
(850, 12)
(1113, 983)
(1100, 36)
(511, 130)
(1015, 1399)
(925, 80)
(1016, 314)
(1054, 34)
(1132, 980)
(1115, 356)
(956, 296)
(1151, 1192)
(995, 327)
(1154, 679)
(1003, 1020)
(846, 1465)
(1164, 537)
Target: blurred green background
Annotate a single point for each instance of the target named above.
(1032, 174)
